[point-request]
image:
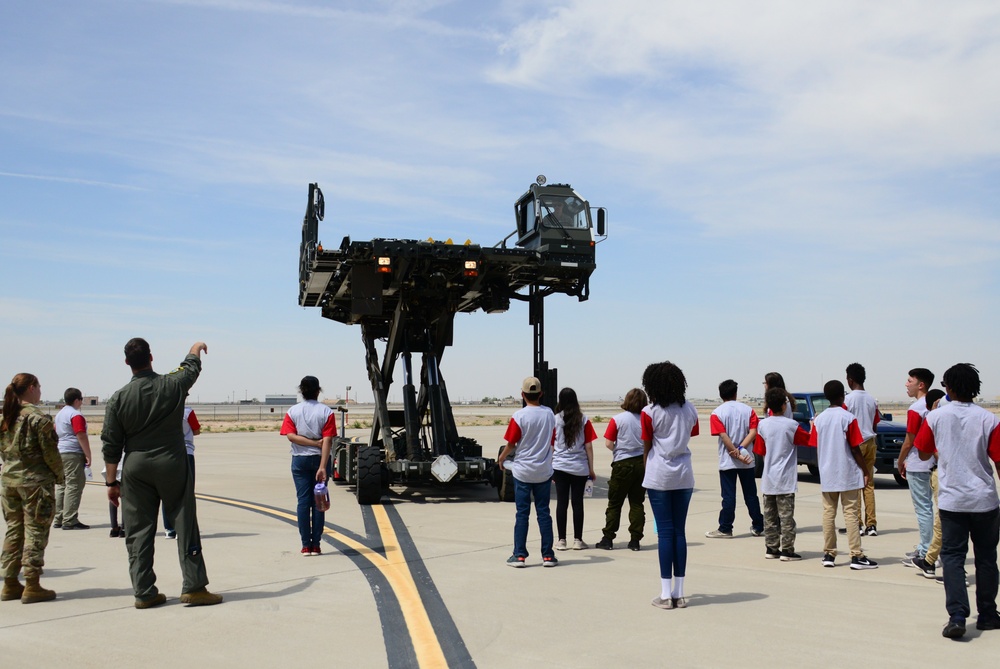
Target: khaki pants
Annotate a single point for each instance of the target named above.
(868, 454)
(851, 501)
(68, 495)
(934, 550)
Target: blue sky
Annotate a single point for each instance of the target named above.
(792, 186)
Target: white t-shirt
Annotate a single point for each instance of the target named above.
(864, 408)
(625, 430)
(835, 432)
(735, 419)
(310, 419)
(966, 437)
(190, 425)
(777, 437)
(69, 422)
(670, 428)
(914, 418)
(572, 459)
(532, 428)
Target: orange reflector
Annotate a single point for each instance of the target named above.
(384, 269)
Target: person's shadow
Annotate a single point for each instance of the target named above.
(728, 598)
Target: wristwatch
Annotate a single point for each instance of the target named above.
(112, 484)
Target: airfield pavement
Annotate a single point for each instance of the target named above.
(421, 581)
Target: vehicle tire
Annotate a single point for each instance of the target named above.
(903, 483)
(506, 488)
(813, 469)
(369, 478)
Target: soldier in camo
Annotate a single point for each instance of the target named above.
(31, 469)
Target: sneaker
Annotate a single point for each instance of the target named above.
(57, 524)
(75, 526)
(719, 534)
(863, 562)
(940, 580)
(912, 554)
(771, 553)
(871, 531)
(633, 545)
(679, 602)
(988, 622)
(756, 533)
(578, 545)
(605, 544)
(828, 560)
(306, 551)
(924, 569)
(114, 532)
(549, 561)
(908, 560)
(561, 545)
(954, 629)
(663, 603)
(315, 550)
(170, 534)
(515, 561)
(790, 556)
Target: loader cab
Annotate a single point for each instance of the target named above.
(553, 218)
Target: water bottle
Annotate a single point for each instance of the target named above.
(89, 473)
(322, 497)
(588, 490)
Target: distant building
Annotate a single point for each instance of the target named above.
(283, 400)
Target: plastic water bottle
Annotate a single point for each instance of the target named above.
(89, 473)
(322, 497)
(588, 490)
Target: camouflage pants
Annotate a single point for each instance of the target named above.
(779, 522)
(28, 511)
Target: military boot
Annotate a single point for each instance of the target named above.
(34, 592)
(12, 589)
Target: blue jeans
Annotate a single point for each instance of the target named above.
(923, 506)
(727, 480)
(310, 520)
(523, 492)
(670, 509)
(956, 530)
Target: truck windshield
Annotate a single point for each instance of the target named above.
(563, 211)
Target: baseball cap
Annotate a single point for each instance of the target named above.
(531, 385)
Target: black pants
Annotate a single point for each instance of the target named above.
(569, 487)
(956, 530)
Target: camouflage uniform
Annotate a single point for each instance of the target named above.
(144, 419)
(31, 469)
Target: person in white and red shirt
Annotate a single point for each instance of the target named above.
(777, 437)
(917, 472)
(310, 427)
(836, 436)
(192, 428)
(74, 449)
(572, 465)
(668, 423)
(624, 439)
(965, 438)
(860, 403)
(735, 424)
(529, 438)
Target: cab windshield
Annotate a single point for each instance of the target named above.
(563, 211)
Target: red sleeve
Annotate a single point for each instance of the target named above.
(513, 434)
(589, 434)
(553, 442)
(993, 450)
(878, 417)
(759, 447)
(802, 438)
(696, 430)
(813, 436)
(612, 431)
(193, 422)
(854, 438)
(647, 426)
(79, 424)
(925, 439)
(913, 421)
(330, 427)
(288, 426)
(754, 421)
(715, 425)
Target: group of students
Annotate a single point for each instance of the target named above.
(948, 450)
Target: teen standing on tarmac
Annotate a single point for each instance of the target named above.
(572, 464)
(624, 439)
(668, 423)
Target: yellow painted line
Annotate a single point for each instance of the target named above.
(393, 566)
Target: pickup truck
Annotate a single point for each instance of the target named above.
(888, 438)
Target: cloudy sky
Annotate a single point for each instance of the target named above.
(792, 186)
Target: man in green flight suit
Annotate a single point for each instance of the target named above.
(143, 419)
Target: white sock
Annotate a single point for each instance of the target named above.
(664, 588)
(678, 590)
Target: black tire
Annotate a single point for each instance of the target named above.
(903, 483)
(506, 488)
(813, 469)
(369, 479)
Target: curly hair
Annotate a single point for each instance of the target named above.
(962, 380)
(569, 406)
(664, 383)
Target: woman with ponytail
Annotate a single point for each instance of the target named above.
(31, 469)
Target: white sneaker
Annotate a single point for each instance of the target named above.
(560, 545)
(578, 545)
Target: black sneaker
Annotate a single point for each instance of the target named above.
(988, 622)
(514, 561)
(76, 526)
(605, 543)
(633, 545)
(871, 531)
(863, 562)
(828, 560)
(954, 629)
(756, 533)
(923, 568)
(772, 553)
(790, 556)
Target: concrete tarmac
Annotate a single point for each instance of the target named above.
(422, 582)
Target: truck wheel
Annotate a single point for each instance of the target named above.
(369, 483)
(813, 469)
(506, 488)
(899, 479)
